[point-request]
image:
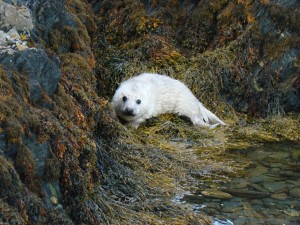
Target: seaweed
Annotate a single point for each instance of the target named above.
(101, 172)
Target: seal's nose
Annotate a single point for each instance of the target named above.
(128, 112)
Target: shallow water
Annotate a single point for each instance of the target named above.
(267, 193)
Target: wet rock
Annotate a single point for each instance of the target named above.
(214, 205)
(265, 178)
(241, 221)
(279, 155)
(246, 193)
(195, 199)
(289, 174)
(231, 207)
(295, 192)
(275, 170)
(257, 202)
(292, 212)
(212, 193)
(280, 196)
(43, 74)
(275, 186)
(257, 187)
(240, 183)
(259, 170)
(296, 155)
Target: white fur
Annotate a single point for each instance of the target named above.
(159, 94)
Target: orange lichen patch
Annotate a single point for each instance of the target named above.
(265, 2)
(248, 10)
(250, 18)
(5, 95)
(146, 24)
(61, 148)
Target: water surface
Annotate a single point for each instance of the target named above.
(268, 192)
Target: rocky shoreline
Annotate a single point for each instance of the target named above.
(64, 156)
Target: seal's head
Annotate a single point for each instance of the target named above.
(129, 101)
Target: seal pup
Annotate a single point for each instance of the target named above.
(148, 95)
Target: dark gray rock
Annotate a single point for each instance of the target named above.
(46, 18)
(43, 74)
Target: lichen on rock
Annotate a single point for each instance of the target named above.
(64, 156)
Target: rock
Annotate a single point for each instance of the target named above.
(212, 193)
(279, 155)
(241, 221)
(275, 186)
(257, 171)
(214, 205)
(47, 16)
(296, 155)
(292, 212)
(295, 192)
(257, 187)
(195, 199)
(231, 207)
(247, 193)
(43, 74)
(16, 17)
(280, 196)
(54, 200)
(256, 202)
(240, 183)
(289, 174)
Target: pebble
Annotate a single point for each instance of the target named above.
(54, 200)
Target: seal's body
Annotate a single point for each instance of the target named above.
(148, 95)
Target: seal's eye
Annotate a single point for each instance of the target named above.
(138, 101)
(124, 99)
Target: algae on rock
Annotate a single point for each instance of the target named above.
(64, 156)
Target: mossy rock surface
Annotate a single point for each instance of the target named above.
(65, 158)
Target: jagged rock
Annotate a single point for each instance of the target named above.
(43, 74)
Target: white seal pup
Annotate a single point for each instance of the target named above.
(148, 95)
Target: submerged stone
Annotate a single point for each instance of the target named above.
(246, 193)
(292, 212)
(280, 196)
(259, 170)
(275, 186)
(296, 154)
(279, 155)
(212, 193)
(295, 192)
